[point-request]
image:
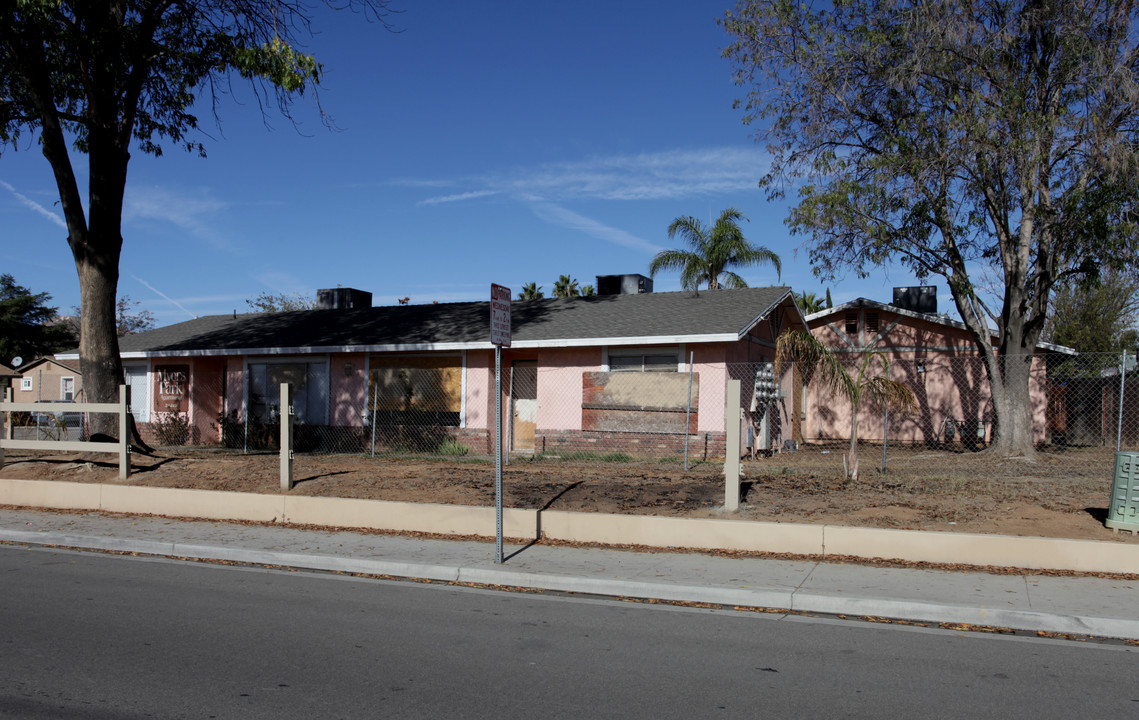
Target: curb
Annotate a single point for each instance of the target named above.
(789, 601)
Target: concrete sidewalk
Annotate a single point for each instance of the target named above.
(1082, 606)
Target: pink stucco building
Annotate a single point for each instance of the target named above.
(931, 353)
(607, 373)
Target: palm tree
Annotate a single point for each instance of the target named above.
(809, 303)
(565, 287)
(531, 291)
(588, 291)
(713, 252)
(878, 391)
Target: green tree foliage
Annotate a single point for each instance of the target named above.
(103, 79)
(713, 252)
(566, 287)
(29, 328)
(810, 303)
(859, 385)
(531, 291)
(281, 302)
(1096, 316)
(128, 321)
(953, 137)
(588, 291)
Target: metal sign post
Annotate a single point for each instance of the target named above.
(499, 337)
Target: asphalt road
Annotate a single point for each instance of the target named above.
(105, 637)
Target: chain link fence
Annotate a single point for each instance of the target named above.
(644, 410)
(1083, 408)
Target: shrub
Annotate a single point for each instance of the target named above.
(171, 428)
(451, 447)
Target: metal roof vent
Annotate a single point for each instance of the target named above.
(922, 299)
(343, 298)
(623, 284)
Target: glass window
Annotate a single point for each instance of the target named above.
(643, 360)
(310, 391)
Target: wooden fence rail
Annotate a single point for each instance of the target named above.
(122, 446)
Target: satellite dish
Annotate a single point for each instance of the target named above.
(17, 361)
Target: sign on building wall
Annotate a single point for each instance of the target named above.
(171, 388)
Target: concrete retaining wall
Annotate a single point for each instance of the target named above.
(723, 534)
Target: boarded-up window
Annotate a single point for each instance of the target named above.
(644, 402)
(421, 390)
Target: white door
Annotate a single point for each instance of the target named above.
(138, 381)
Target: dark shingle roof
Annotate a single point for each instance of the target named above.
(708, 316)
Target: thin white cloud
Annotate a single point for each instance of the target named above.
(190, 213)
(164, 296)
(557, 215)
(457, 197)
(666, 175)
(671, 174)
(35, 206)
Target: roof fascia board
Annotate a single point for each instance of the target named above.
(936, 319)
(439, 347)
(759, 318)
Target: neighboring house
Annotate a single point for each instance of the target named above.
(48, 380)
(7, 376)
(933, 354)
(580, 372)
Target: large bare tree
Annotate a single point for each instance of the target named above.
(954, 137)
(104, 77)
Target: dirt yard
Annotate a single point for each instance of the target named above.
(1066, 506)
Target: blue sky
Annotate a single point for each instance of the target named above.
(502, 142)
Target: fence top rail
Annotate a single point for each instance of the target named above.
(54, 407)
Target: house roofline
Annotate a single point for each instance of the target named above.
(60, 359)
(938, 319)
(441, 347)
(771, 308)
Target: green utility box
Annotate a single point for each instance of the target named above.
(1124, 511)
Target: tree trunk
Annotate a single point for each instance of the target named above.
(1011, 385)
(97, 252)
(852, 469)
(98, 341)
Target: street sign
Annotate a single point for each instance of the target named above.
(500, 337)
(500, 315)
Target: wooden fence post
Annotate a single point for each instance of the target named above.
(4, 426)
(124, 432)
(733, 413)
(286, 436)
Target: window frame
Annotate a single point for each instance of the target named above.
(676, 352)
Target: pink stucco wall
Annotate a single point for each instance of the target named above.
(560, 385)
(206, 394)
(235, 387)
(708, 363)
(939, 364)
(479, 389)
